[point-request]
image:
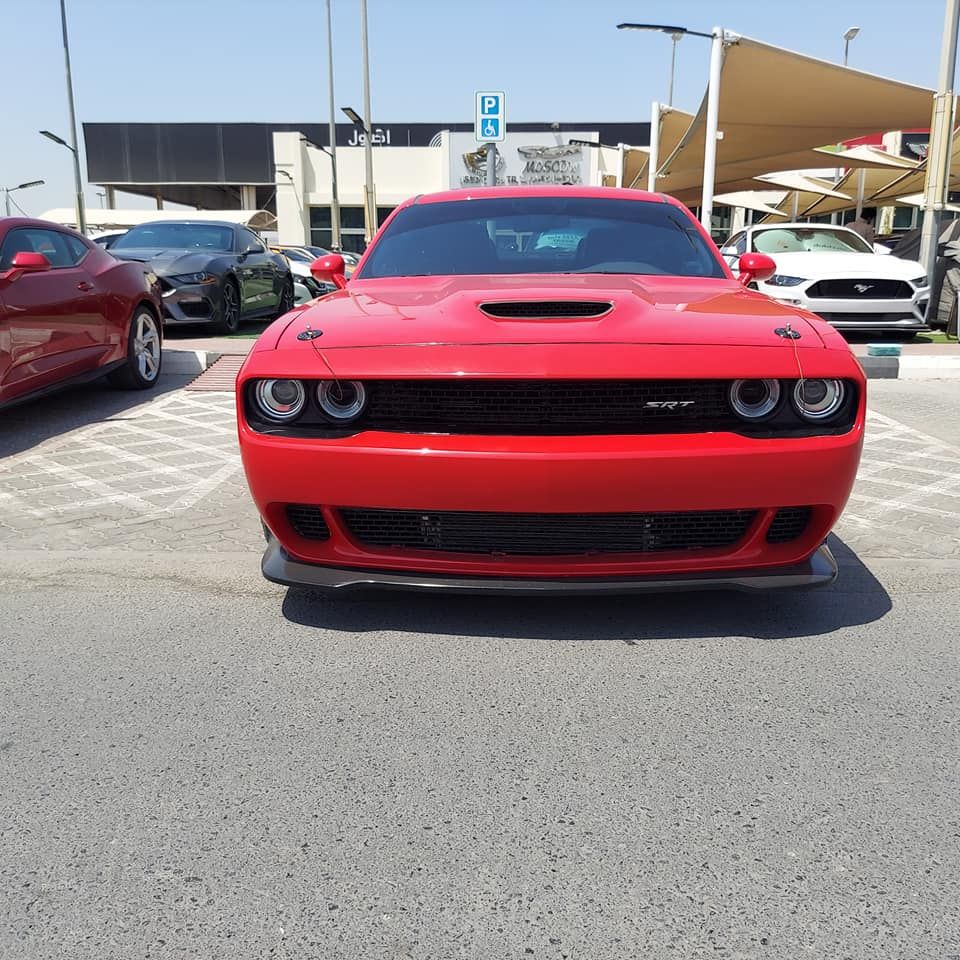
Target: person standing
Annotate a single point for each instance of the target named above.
(864, 224)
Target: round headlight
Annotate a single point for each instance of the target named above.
(280, 400)
(818, 399)
(754, 399)
(342, 400)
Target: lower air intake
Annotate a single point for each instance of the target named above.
(546, 534)
(788, 524)
(307, 522)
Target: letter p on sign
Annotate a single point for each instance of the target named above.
(490, 120)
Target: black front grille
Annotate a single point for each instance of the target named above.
(858, 289)
(865, 318)
(544, 407)
(788, 524)
(308, 521)
(547, 534)
(545, 309)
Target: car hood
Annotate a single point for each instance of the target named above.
(169, 262)
(818, 266)
(644, 310)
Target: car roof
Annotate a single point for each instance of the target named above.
(188, 221)
(8, 223)
(807, 226)
(495, 193)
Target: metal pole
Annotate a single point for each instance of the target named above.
(621, 156)
(334, 193)
(653, 162)
(370, 204)
(6, 194)
(861, 189)
(846, 50)
(491, 164)
(81, 212)
(938, 153)
(712, 130)
(673, 66)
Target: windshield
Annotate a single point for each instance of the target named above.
(523, 235)
(296, 255)
(809, 240)
(182, 236)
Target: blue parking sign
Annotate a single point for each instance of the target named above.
(491, 120)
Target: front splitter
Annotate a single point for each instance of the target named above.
(277, 565)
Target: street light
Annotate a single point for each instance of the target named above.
(334, 192)
(78, 182)
(20, 186)
(718, 37)
(847, 37)
(676, 34)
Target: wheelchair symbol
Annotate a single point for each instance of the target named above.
(491, 128)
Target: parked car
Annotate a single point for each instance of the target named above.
(307, 254)
(619, 414)
(210, 272)
(69, 312)
(306, 289)
(107, 240)
(300, 262)
(836, 274)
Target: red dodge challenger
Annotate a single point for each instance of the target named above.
(548, 389)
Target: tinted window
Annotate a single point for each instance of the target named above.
(180, 236)
(809, 240)
(249, 239)
(526, 235)
(55, 246)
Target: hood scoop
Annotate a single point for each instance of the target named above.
(546, 309)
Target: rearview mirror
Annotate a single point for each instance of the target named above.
(329, 269)
(26, 261)
(755, 266)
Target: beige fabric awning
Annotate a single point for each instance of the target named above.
(865, 155)
(760, 201)
(673, 124)
(775, 104)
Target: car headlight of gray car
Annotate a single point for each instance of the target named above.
(189, 278)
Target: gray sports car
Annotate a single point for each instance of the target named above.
(210, 271)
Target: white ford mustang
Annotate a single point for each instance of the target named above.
(835, 273)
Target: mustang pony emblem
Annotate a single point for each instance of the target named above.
(863, 287)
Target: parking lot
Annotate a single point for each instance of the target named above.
(728, 776)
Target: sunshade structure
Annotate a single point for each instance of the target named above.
(760, 201)
(673, 125)
(125, 219)
(776, 107)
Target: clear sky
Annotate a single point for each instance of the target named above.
(258, 60)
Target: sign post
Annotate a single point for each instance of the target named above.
(489, 127)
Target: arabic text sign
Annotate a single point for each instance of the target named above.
(491, 116)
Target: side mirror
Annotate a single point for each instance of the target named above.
(880, 248)
(755, 266)
(728, 251)
(253, 248)
(26, 261)
(329, 269)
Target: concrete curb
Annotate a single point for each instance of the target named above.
(916, 367)
(188, 362)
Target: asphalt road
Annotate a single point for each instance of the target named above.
(196, 763)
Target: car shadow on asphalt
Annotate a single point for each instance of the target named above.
(28, 424)
(857, 598)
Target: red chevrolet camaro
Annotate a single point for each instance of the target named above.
(70, 312)
(548, 389)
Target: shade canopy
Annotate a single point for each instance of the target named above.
(776, 105)
(760, 201)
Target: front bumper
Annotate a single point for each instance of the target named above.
(819, 570)
(191, 303)
(866, 315)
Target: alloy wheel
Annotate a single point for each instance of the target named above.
(146, 346)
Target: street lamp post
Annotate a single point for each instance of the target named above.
(334, 193)
(81, 212)
(719, 37)
(847, 37)
(676, 34)
(20, 186)
(370, 199)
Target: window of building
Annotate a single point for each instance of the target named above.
(351, 227)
